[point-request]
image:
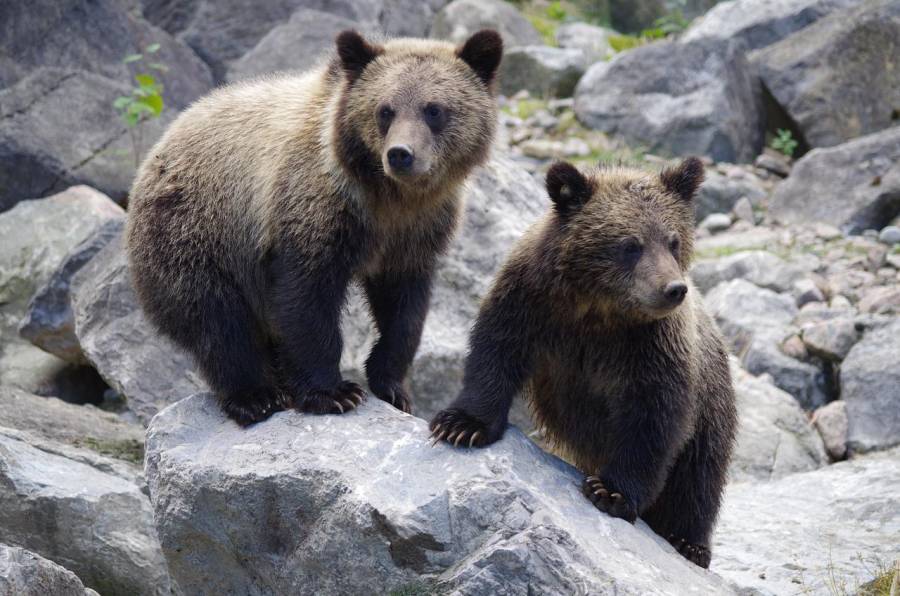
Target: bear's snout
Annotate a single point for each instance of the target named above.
(674, 292)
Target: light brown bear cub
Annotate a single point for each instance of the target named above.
(594, 317)
(266, 199)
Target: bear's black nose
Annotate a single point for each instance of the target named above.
(400, 157)
(675, 291)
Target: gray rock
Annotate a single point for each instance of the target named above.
(855, 186)
(50, 322)
(760, 23)
(502, 200)
(835, 79)
(28, 368)
(461, 18)
(297, 45)
(697, 98)
(831, 422)
(37, 237)
(759, 267)
(716, 222)
(755, 321)
(806, 292)
(221, 32)
(541, 70)
(94, 38)
(733, 241)
(593, 41)
(880, 300)
(115, 337)
(870, 386)
(23, 573)
(774, 437)
(720, 193)
(830, 340)
(743, 211)
(58, 128)
(92, 520)
(808, 532)
(367, 487)
(774, 162)
(80, 426)
(889, 235)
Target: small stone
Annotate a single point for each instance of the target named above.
(840, 301)
(794, 347)
(542, 148)
(575, 147)
(890, 235)
(805, 291)
(743, 211)
(716, 222)
(775, 163)
(831, 422)
(881, 300)
(827, 231)
(831, 340)
(544, 119)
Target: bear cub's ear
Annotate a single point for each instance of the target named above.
(568, 188)
(355, 53)
(483, 52)
(684, 179)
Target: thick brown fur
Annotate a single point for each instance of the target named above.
(266, 199)
(593, 318)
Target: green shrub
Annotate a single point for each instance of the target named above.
(145, 100)
(784, 141)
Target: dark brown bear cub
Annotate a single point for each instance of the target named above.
(266, 199)
(594, 318)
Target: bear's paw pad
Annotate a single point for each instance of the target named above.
(607, 500)
(458, 428)
(695, 553)
(343, 398)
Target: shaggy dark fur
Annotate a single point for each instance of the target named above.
(593, 318)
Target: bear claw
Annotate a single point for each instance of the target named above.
(254, 406)
(397, 397)
(695, 553)
(458, 428)
(610, 502)
(343, 398)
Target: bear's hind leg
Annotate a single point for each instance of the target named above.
(234, 358)
(685, 511)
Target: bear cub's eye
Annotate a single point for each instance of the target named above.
(435, 117)
(674, 243)
(631, 251)
(385, 116)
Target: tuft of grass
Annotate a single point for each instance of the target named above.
(129, 450)
(526, 108)
(546, 27)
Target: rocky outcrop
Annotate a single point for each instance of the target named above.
(593, 41)
(759, 267)
(541, 70)
(296, 45)
(759, 23)
(77, 70)
(278, 506)
(808, 532)
(81, 510)
(870, 387)
(24, 573)
(461, 18)
(145, 368)
(837, 79)
(696, 98)
(855, 185)
(775, 438)
(756, 321)
(719, 193)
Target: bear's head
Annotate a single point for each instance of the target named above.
(420, 112)
(625, 238)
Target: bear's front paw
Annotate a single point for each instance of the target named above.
(250, 407)
(459, 429)
(343, 398)
(396, 396)
(607, 500)
(697, 554)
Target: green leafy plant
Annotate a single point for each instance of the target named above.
(784, 141)
(555, 11)
(145, 101)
